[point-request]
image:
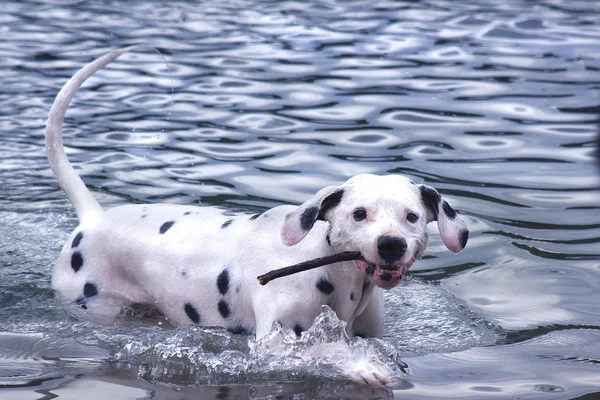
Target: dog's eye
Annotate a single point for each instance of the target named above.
(359, 214)
(412, 217)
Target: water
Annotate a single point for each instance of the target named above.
(251, 104)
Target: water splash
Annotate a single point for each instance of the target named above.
(209, 356)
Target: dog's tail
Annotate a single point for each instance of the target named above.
(86, 206)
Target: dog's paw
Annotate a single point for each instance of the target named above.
(353, 364)
(371, 372)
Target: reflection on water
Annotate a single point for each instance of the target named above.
(254, 104)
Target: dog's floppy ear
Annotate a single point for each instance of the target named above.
(453, 228)
(300, 221)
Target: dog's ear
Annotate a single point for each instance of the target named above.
(453, 228)
(300, 221)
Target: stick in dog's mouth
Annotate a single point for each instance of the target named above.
(310, 264)
(383, 276)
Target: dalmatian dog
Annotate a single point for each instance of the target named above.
(198, 265)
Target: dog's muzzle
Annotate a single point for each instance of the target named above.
(389, 274)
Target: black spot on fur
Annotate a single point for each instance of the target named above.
(166, 226)
(144, 216)
(463, 237)
(184, 274)
(370, 269)
(325, 286)
(386, 276)
(240, 330)
(351, 296)
(252, 218)
(449, 211)
(187, 213)
(298, 329)
(226, 223)
(431, 198)
(328, 239)
(224, 309)
(77, 240)
(223, 282)
(76, 261)
(90, 290)
(308, 218)
(330, 202)
(192, 313)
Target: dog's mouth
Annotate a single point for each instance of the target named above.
(384, 276)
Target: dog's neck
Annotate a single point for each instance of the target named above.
(317, 244)
(320, 246)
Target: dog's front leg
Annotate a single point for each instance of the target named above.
(284, 307)
(296, 316)
(369, 323)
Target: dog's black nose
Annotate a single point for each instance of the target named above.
(390, 248)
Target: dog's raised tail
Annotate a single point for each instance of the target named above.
(86, 206)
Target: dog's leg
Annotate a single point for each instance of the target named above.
(370, 323)
(85, 204)
(353, 364)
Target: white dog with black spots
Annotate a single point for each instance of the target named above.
(198, 265)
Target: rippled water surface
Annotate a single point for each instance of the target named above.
(251, 104)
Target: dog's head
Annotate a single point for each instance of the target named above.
(384, 218)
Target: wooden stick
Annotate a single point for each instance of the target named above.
(306, 265)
